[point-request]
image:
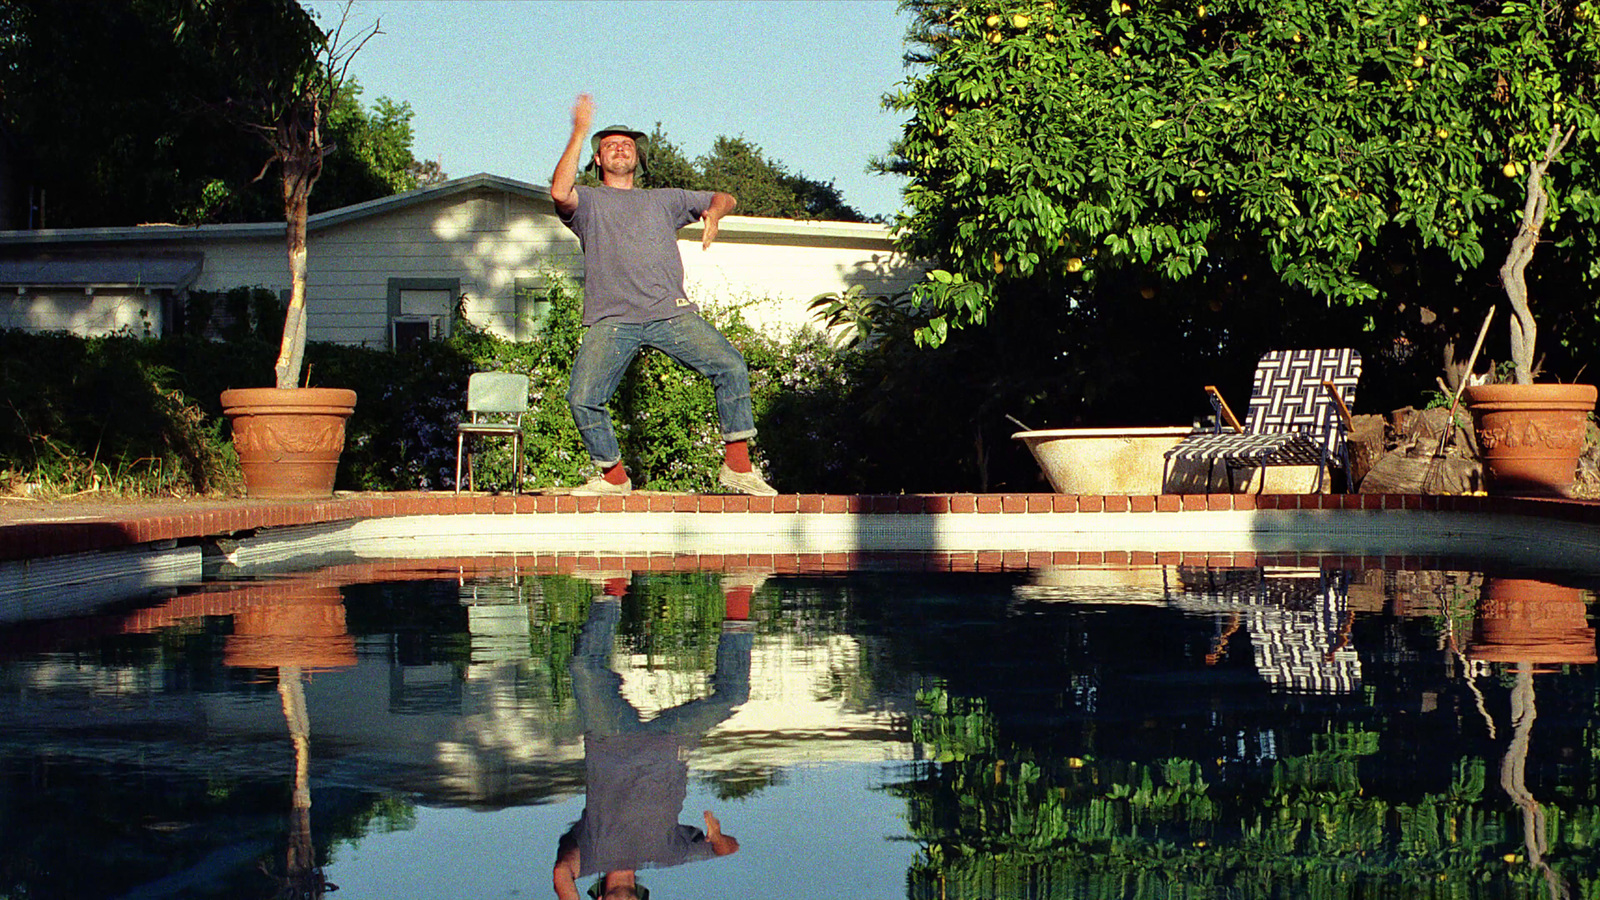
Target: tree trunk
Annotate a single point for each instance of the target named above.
(1513, 278)
(297, 184)
(1513, 271)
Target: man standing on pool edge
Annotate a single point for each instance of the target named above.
(634, 298)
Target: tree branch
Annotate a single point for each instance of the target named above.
(1513, 271)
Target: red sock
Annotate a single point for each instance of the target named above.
(616, 587)
(736, 602)
(616, 474)
(737, 455)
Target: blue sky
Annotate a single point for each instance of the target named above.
(492, 81)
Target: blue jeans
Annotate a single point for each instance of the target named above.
(609, 347)
(598, 688)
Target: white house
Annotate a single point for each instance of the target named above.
(392, 269)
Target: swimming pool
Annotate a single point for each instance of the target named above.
(1245, 723)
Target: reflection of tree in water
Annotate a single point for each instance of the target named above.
(300, 629)
(174, 810)
(1359, 810)
(302, 877)
(1527, 624)
(1514, 778)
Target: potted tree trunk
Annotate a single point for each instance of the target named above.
(1530, 434)
(289, 436)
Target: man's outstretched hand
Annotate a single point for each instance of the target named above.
(721, 844)
(583, 113)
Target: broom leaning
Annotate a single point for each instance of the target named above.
(1435, 474)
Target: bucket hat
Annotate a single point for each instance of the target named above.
(640, 140)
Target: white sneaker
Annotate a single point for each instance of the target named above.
(749, 482)
(598, 486)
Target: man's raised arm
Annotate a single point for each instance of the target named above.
(721, 205)
(563, 183)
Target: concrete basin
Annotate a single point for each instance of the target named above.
(1104, 460)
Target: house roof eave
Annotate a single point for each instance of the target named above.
(741, 229)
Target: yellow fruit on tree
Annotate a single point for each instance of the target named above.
(993, 21)
(1509, 170)
(1020, 21)
(1075, 264)
(1422, 20)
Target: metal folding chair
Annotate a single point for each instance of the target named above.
(496, 403)
(1299, 415)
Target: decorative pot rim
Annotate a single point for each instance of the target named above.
(236, 401)
(1502, 392)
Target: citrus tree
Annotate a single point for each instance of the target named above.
(1338, 143)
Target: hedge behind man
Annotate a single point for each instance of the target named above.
(634, 298)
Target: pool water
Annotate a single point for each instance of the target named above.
(435, 729)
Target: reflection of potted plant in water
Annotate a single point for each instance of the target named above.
(295, 628)
(289, 437)
(1525, 623)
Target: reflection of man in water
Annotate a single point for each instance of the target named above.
(638, 771)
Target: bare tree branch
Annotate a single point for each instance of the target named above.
(1513, 272)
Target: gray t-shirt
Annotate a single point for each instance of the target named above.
(635, 792)
(633, 271)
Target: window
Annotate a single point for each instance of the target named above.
(531, 299)
(420, 309)
(532, 305)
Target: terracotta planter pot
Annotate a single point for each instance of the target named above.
(1522, 620)
(290, 624)
(1530, 435)
(288, 440)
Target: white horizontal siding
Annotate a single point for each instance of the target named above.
(244, 263)
(774, 284)
(485, 239)
(103, 312)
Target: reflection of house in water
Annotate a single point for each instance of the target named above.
(492, 727)
(801, 709)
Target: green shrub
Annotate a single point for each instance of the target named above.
(143, 415)
(108, 413)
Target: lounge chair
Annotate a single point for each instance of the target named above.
(1299, 415)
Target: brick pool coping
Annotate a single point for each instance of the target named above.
(32, 529)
